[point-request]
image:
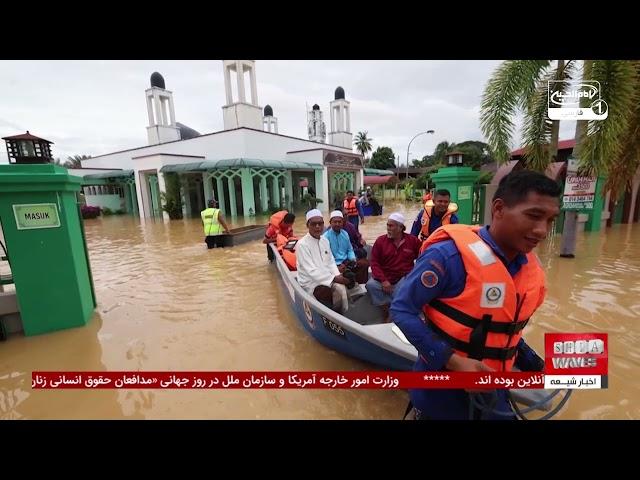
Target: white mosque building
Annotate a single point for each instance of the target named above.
(249, 167)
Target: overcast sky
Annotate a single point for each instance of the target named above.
(97, 107)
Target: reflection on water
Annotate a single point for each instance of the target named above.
(165, 302)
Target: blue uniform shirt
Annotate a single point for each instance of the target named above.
(434, 223)
(444, 260)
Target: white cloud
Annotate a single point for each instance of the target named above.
(96, 107)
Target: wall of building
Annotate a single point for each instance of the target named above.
(240, 143)
(113, 202)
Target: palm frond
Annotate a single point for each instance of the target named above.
(621, 172)
(540, 134)
(503, 95)
(603, 145)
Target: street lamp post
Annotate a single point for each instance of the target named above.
(409, 146)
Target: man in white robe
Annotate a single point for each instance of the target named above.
(317, 271)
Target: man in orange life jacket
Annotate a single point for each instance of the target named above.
(353, 209)
(280, 223)
(476, 289)
(434, 215)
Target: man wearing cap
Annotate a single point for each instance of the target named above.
(342, 249)
(214, 225)
(317, 271)
(392, 257)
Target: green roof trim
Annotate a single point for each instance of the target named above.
(230, 163)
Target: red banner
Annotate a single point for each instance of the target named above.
(282, 380)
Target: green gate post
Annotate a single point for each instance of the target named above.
(459, 181)
(47, 251)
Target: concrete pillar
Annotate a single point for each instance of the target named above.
(172, 113)
(143, 195)
(163, 103)
(264, 200)
(221, 201)
(288, 190)
(248, 198)
(227, 85)
(254, 90)
(322, 189)
(162, 188)
(128, 201)
(156, 100)
(232, 196)
(207, 187)
(634, 196)
(150, 109)
(275, 192)
(240, 72)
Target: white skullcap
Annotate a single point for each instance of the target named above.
(313, 213)
(397, 217)
(336, 213)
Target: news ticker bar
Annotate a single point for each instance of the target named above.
(312, 380)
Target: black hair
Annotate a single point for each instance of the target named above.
(444, 192)
(514, 187)
(350, 191)
(289, 218)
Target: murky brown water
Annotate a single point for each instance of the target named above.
(168, 303)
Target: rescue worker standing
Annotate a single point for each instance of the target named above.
(476, 289)
(214, 225)
(437, 212)
(353, 209)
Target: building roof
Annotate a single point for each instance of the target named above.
(186, 132)
(324, 146)
(339, 93)
(268, 111)
(25, 136)
(562, 145)
(375, 171)
(376, 179)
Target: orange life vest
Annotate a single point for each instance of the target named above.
(426, 217)
(485, 321)
(350, 207)
(276, 221)
(288, 255)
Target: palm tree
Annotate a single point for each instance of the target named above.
(441, 150)
(522, 85)
(76, 161)
(363, 143)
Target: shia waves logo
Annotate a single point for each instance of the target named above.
(576, 357)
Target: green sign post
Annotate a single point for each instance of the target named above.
(46, 246)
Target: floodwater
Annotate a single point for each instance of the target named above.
(166, 303)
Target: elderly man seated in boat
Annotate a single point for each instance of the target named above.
(392, 257)
(318, 273)
(342, 249)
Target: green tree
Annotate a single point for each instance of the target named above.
(383, 158)
(171, 198)
(76, 161)
(606, 147)
(363, 143)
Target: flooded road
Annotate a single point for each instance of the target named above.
(167, 303)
